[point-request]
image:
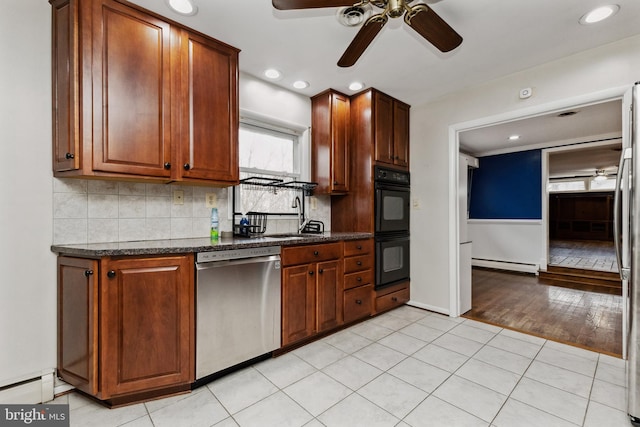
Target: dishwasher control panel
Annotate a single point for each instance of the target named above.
(223, 255)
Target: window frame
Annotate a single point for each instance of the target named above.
(301, 155)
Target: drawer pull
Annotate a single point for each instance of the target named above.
(311, 273)
(69, 156)
(359, 247)
(394, 299)
(359, 301)
(321, 271)
(359, 262)
(111, 274)
(88, 273)
(359, 279)
(316, 253)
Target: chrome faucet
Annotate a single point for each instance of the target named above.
(297, 204)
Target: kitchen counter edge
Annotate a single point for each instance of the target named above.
(179, 246)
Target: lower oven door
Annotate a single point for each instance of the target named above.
(392, 260)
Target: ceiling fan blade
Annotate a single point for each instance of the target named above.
(433, 28)
(310, 4)
(361, 41)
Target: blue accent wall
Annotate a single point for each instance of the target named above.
(507, 186)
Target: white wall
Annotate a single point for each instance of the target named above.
(434, 157)
(28, 283)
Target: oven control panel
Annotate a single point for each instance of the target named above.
(391, 176)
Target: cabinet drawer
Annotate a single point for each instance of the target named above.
(360, 278)
(311, 253)
(358, 247)
(392, 299)
(358, 263)
(358, 303)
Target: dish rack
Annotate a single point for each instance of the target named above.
(257, 225)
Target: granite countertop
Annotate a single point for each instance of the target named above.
(176, 246)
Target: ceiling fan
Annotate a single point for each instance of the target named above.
(419, 17)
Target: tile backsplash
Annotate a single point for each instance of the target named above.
(93, 211)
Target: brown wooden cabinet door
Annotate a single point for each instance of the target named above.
(131, 91)
(401, 134)
(340, 144)
(383, 120)
(329, 277)
(147, 331)
(298, 303)
(78, 323)
(330, 131)
(207, 109)
(66, 115)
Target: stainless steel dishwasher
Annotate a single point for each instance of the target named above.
(237, 307)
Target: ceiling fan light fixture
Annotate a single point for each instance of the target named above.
(353, 16)
(183, 7)
(599, 14)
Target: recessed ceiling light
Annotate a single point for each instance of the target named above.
(514, 137)
(272, 74)
(300, 84)
(183, 7)
(599, 14)
(356, 86)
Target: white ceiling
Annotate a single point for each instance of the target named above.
(500, 37)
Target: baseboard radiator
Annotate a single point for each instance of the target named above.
(506, 265)
(34, 390)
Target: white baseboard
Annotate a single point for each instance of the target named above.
(433, 308)
(506, 265)
(32, 391)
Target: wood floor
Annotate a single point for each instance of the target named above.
(518, 301)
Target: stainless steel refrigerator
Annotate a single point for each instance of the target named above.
(627, 239)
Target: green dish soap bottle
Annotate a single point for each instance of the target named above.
(215, 232)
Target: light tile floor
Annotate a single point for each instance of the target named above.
(408, 367)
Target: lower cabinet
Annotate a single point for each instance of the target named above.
(312, 278)
(391, 297)
(126, 326)
(358, 279)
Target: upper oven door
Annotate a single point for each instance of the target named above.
(392, 208)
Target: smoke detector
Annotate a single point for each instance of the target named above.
(353, 16)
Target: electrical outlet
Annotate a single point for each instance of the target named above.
(178, 197)
(211, 200)
(416, 203)
(313, 201)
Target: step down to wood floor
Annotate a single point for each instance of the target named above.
(578, 278)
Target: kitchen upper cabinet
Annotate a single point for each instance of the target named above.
(131, 78)
(330, 142)
(209, 133)
(139, 97)
(391, 130)
(126, 326)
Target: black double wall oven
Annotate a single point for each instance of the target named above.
(392, 205)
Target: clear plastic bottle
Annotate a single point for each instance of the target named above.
(215, 232)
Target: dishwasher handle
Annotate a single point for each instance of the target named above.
(228, 262)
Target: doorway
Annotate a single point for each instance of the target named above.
(547, 243)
